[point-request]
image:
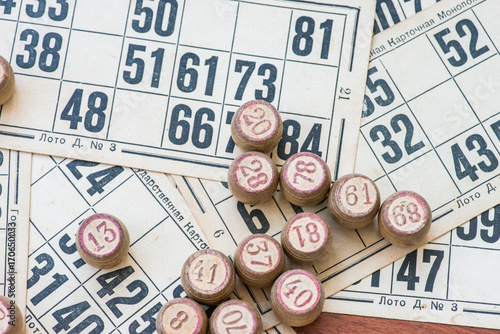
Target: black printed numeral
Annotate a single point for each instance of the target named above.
(374, 281)
(98, 179)
(8, 5)
(67, 248)
(393, 13)
(289, 144)
(147, 16)
(135, 75)
(55, 14)
(418, 4)
(490, 220)
(268, 71)
(187, 78)
(142, 292)
(230, 143)
(382, 17)
(38, 271)
(387, 141)
(95, 117)
(179, 129)
(150, 318)
(463, 168)
(463, 28)
(109, 281)
(49, 57)
(382, 100)
(251, 217)
(67, 315)
(408, 271)
(302, 44)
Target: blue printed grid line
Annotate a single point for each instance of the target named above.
(115, 88)
(10, 191)
(450, 245)
(452, 78)
(151, 295)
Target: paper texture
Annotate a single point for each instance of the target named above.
(451, 280)
(429, 126)
(154, 84)
(226, 222)
(391, 12)
(15, 174)
(67, 295)
(281, 329)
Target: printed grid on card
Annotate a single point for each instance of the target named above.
(280, 329)
(15, 173)
(66, 294)
(391, 12)
(226, 222)
(451, 280)
(430, 122)
(429, 126)
(154, 84)
(442, 281)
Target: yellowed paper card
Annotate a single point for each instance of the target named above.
(391, 12)
(64, 293)
(15, 174)
(154, 84)
(451, 280)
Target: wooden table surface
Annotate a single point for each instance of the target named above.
(345, 324)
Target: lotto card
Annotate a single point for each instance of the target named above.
(155, 84)
(428, 126)
(442, 281)
(64, 293)
(450, 280)
(67, 295)
(391, 12)
(15, 174)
